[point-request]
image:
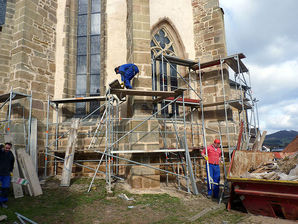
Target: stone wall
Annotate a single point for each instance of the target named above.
(210, 44)
(32, 47)
(6, 44)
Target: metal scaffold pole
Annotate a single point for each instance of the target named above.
(225, 106)
(188, 160)
(203, 126)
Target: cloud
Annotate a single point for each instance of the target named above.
(265, 32)
(275, 83)
(258, 26)
(280, 116)
(276, 86)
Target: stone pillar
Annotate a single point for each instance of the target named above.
(33, 56)
(210, 44)
(138, 52)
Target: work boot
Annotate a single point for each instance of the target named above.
(3, 205)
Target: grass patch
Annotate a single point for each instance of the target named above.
(220, 215)
(158, 201)
(75, 205)
(51, 204)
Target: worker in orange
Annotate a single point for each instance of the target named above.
(213, 156)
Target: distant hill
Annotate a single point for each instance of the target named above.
(280, 139)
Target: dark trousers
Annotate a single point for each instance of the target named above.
(5, 184)
(215, 175)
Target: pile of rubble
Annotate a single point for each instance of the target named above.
(283, 169)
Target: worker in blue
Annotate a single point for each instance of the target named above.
(127, 72)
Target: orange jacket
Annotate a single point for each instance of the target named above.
(214, 154)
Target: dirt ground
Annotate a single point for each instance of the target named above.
(166, 205)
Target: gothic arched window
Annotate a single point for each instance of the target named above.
(88, 53)
(164, 75)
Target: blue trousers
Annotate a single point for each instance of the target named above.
(127, 84)
(5, 180)
(215, 175)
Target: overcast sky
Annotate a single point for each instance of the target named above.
(266, 31)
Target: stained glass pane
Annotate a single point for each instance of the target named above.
(95, 6)
(95, 64)
(95, 44)
(2, 11)
(81, 85)
(152, 44)
(83, 6)
(95, 23)
(80, 108)
(82, 25)
(81, 65)
(82, 46)
(94, 84)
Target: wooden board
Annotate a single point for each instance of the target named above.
(69, 154)
(244, 160)
(24, 174)
(134, 92)
(29, 172)
(255, 145)
(79, 99)
(260, 143)
(17, 189)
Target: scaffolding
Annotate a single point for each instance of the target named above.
(7, 99)
(108, 126)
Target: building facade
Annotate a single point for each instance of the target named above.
(69, 48)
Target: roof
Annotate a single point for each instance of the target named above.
(292, 146)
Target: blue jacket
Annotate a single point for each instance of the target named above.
(128, 71)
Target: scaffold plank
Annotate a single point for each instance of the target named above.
(134, 92)
(147, 151)
(79, 99)
(187, 101)
(177, 61)
(16, 96)
(234, 103)
(230, 60)
(238, 105)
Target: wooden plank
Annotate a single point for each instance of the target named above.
(79, 99)
(17, 189)
(16, 96)
(69, 154)
(146, 93)
(24, 171)
(147, 151)
(255, 145)
(29, 172)
(260, 143)
(244, 160)
(33, 143)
